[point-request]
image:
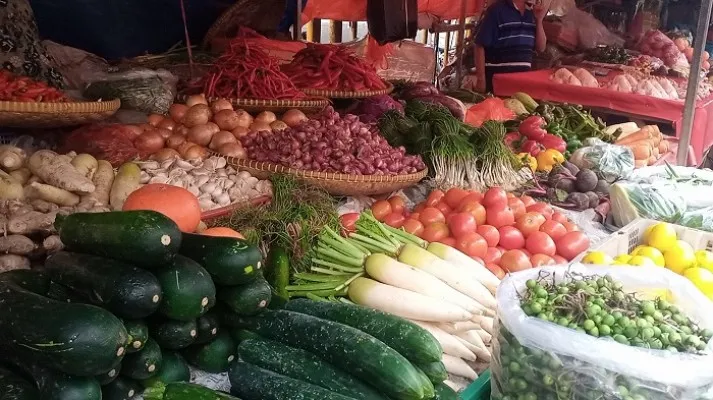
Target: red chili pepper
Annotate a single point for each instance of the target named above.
(512, 137)
(533, 127)
(532, 147)
(551, 141)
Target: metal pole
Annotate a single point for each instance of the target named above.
(460, 42)
(297, 34)
(689, 107)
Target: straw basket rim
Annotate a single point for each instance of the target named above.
(310, 103)
(54, 115)
(69, 107)
(344, 94)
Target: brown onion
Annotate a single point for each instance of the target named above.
(181, 130)
(150, 141)
(244, 118)
(240, 131)
(227, 120)
(199, 114)
(165, 154)
(177, 111)
(266, 116)
(155, 119)
(184, 146)
(133, 131)
(294, 117)
(260, 126)
(200, 135)
(220, 104)
(221, 138)
(146, 127)
(232, 150)
(165, 133)
(196, 99)
(278, 125)
(167, 123)
(175, 140)
(195, 152)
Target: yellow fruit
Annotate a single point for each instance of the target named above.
(653, 294)
(652, 253)
(704, 259)
(679, 257)
(702, 278)
(662, 236)
(597, 258)
(622, 259)
(641, 261)
(647, 233)
(636, 250)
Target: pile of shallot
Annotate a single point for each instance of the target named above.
(332, 143)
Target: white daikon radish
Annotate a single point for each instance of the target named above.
(450, 344)
(453, 385)
(455, 327)
(487, 338)
(458, 367)
(461, 260)
(448, 273)
(404, 303)
(478, 347)
(391, 272)
(486, 323)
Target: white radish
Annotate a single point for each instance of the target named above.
(450, 344)
(475, 344)
(453, 385)
(458, 367)
(404, 303)
(391, 272)
(487, 338)
(486, 323)
(448, 273)
(462, 261)
(455, 327)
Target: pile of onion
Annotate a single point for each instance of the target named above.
(331, 144)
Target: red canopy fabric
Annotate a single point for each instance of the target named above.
(355, 10)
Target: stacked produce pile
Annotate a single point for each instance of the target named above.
(608, 55)
(656, 43)
(24, 89)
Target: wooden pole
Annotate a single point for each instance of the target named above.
(460, 42)
(335, 31)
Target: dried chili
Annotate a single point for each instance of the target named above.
(24, 89)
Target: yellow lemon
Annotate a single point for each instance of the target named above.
(622, 258)
(653, 294)
(636, 250)
(662, 236)
(679, 257)
(597, 258)
(641, 261)
(647, 233)
(652, 253)
(702, 278)
(704, 259)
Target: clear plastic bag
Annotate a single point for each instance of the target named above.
(701, 218)
(554, 362)
(659, 201)
(139, 89)
(610, 161)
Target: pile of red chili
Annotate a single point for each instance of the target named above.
(248, 72)
(332, 67)
(24, 89)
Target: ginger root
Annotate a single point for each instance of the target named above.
(51, 194)
(16, 244)
(52, 244)
(9, 262)
(57, 171)
(31, 222)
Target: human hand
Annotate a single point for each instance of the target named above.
(541, 8)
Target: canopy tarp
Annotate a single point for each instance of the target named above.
(355, 10)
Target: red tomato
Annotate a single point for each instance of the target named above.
(434, 198)
(570, 226)
(495, 197)
(415, 215)
(511, 238)
(474, 208)
(397, 204)
(419, 207)
(492, 255)
(515, 260)
(430, 215)
(381, 209)
(445, 209)
(542, 208)
(539, 260)
(571, 244)
(348, 222)
(559, 217)
(461, 224)
(517, 206)
(498, 217)
(435, 231)
(472, 244)
(540, 243)
(489, 233)
(553, 228)
(527, 253)
(413, 226)
(496, 270)
(501, 248)
(472, 197)
(449, 241)
(559, 259)
(454, 196)
(510, 195)
(529, 223)
(395, 220)
(527, 200)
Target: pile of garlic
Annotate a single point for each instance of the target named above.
(215, 183)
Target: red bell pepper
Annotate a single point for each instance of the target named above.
(532, 127)
(532, 147)
(510, 138)
(551, 141)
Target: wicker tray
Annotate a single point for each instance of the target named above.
(50, 115)
(341, 94)
(216, 213)
(310, 105)
(335, 184)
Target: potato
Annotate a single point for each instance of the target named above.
(85, 164)
(127, 180)
(21, 175)
(10, 188)
(51, 194)
(103, 180)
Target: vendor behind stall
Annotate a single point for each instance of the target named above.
(507, 36)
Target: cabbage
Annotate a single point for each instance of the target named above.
(371, 108)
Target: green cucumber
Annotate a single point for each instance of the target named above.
(444, 392)
(247, 299)
(239, 335)
(188, 290)
(369, 359)
(173, 369)
(15, 387)
(172, 334)
(144, 363)
(185, 391)
(207, 327)
(125, 290)
(53, 384)
(109, 376)
(409, 339)
(253, 383)
(303, 366)
(230, 261)
(213, 356)
(435, 371)
(78, 339)
(138, 334)
(147, 239)
(277, 272)
(64, 294)
(121, 388)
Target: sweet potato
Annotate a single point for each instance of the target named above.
(31, 222)
(127, 180)
(55, 170)
(51, 194)
(16, 244)
(10, 189)
(103, 180)
(9, 262)
(85, 164)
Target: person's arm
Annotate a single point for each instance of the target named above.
(540, 37)
(480, 64)
(487, 33)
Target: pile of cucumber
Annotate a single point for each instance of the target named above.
(128, 306)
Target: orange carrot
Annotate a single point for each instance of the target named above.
(640, 163)
(663, 147)
(641, 149)
(652, 160)
(644, 134)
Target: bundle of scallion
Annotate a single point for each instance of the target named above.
(495, 165)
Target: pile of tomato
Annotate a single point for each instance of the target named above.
(504, 232)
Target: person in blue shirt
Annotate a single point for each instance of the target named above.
(507, 36)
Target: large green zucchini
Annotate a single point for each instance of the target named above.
(15, 387)
(185, 391)
(207, 326)
(143, 364)
(173, 369)
(230, 261)
(188, 290)
(172, 334)
(213, 356)
(121, 388)
(247, 299)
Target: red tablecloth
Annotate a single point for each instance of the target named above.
(538, 85)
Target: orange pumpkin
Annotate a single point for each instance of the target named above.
(222, 231)
(176, 203)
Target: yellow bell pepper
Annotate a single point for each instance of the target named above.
(547, 159)
(528, 160)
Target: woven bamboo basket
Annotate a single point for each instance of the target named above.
(50, 115)
(334, 184)
(262, 16)
(309, 105)
(211, 215)
(342, 94)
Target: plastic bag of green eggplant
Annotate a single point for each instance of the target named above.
(590, 333)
